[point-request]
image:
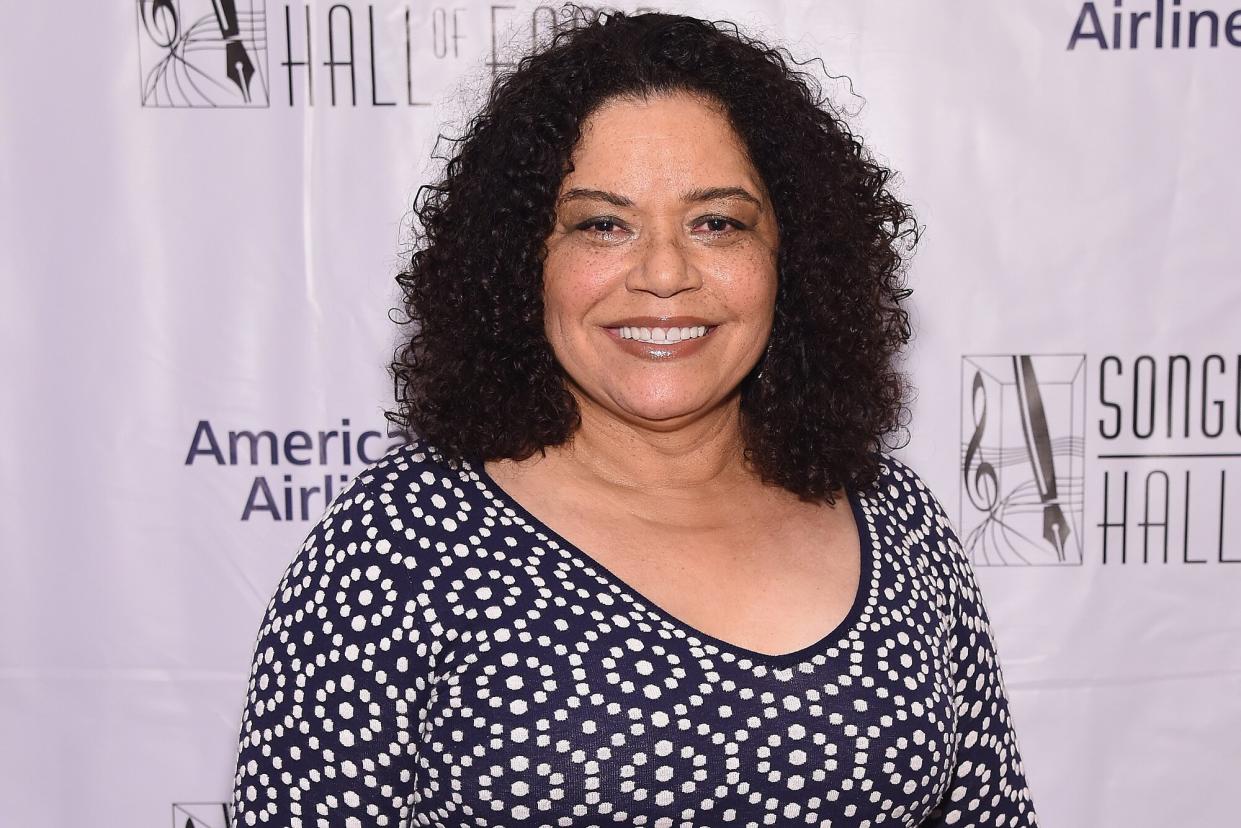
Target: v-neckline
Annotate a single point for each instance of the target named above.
(867, 540)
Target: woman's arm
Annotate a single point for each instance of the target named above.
(328, 733)
(988, 784)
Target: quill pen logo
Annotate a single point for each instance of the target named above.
(203, 53)
(1022, 458)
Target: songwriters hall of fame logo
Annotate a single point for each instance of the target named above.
(1022, 458)
(203, 53)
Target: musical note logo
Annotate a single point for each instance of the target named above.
(203, 53)
(1022, 458)
(977, 470)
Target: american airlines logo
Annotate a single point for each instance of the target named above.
(1153, 24)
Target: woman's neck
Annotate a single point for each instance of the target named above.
(700, 456)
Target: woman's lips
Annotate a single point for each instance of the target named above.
(661, 350)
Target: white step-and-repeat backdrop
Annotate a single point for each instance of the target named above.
(197, 267)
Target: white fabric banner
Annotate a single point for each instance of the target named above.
(197, 262)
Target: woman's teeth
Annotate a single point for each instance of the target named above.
(663, 336)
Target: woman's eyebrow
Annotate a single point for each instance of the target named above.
(693, 196)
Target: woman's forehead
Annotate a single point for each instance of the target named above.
(668, 146)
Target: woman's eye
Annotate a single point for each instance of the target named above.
(718, 225)
(715, 225)
(603, 225)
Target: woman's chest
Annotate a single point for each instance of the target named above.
(579, 707)
(771, 583)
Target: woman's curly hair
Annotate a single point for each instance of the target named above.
(477, 377)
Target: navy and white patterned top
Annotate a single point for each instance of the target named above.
(435, 655)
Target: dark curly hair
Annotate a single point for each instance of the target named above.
(477, 377)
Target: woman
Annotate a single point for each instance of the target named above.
(644, 562)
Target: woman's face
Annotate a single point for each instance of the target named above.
(663, 223)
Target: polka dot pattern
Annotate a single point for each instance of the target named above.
(435, 655)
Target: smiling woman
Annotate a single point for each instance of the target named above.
(645, 559)
(691, 240)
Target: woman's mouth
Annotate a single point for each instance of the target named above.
(662, 336)
(661, 342)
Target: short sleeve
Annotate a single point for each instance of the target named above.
(329, 723)
(988, 784)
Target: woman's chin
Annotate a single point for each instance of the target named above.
(663, 409)
(648, 399)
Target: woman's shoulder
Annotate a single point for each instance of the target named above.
(412, 471)
(412, 498)
(380, 543)
(899, 481)
(900, 492)
(417, 458)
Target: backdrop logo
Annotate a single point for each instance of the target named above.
(287, 475)
(200, 815)
(1154, 24)
(1023, 458)
(203, 53)
(215, 53)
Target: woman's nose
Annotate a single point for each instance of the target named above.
(665, 264)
